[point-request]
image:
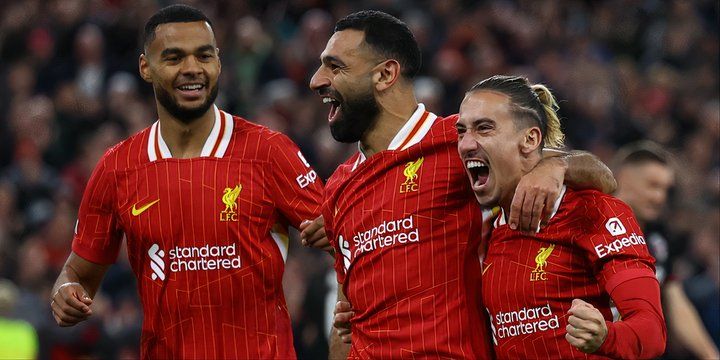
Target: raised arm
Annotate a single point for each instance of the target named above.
(583, 170)
(537, 191)
(74, 290)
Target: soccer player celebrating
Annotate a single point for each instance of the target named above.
(400, 212)
(645, 174)
(548, 293)
(203, 199)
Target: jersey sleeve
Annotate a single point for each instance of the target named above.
(97, 234)
(614, 243)
(295, 187)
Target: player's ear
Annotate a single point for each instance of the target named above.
(532, 140)
(144, 68)
(217, 53)
(388, 72)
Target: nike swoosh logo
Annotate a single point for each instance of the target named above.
(485, 269)
(140, 210)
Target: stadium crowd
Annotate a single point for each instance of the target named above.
(625, 70)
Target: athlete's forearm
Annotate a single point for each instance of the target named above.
(685, 324)
(78, 270)
(584, 170)
(641, 332)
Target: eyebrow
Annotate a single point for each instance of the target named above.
(176, 50)
(330, 58)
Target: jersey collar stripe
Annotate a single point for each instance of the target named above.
(224, 140)
(156, 141)
(414, 130)
(212, 140)
(164, 150)
(151, 148)
(214, 150)
(405, 131)
(422, 131)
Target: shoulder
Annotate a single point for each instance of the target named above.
(595, 207)
(128, 153)
(444, 128)
(252, 140)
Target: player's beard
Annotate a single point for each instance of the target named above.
(357, 115)
(186, 115)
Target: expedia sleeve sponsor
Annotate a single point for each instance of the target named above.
(618, 245)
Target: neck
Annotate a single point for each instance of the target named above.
(185, 140)
(396, 108)
(527, 164)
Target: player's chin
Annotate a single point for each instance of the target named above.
(485, 197)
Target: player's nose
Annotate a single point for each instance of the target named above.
(466, 145)
(319, 80)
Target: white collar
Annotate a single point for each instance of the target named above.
(215, 145)
(500, 220)
(410, 134)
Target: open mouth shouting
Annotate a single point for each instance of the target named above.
(479, 173)
(330, 97)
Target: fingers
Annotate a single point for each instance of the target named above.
(537, 212)
(577, 343)
(548, 210)
(516, 208)
(312, 231)
(70, 305)
(343, 315)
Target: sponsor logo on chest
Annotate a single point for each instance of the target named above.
(388, 233)
(193, 258)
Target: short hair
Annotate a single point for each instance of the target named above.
(171, 14)
(533, 103)
(641, 152)
(388, 36)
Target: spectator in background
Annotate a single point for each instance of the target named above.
(645, 174)
(18, 339)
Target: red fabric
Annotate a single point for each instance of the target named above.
(218, 311)
(408, 261)
(530, 280)
(641, 332)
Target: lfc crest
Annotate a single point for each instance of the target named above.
(539, 273)
(229, 198)
(410, 172)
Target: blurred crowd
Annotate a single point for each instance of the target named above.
(624, 69)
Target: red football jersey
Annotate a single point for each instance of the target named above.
(206, 237)
(591, 244)
(406, 229)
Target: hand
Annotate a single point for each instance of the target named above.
(341, 321)
(312, 234)
(586, 328)
(535, 195)
(70, 304)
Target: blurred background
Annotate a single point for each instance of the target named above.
(625, 70)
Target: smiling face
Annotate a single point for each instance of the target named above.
(183, 65)
(344, 81)
(491, 146)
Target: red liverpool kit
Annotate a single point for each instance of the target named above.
(592, 245)
(206, 237)
(406, 229)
